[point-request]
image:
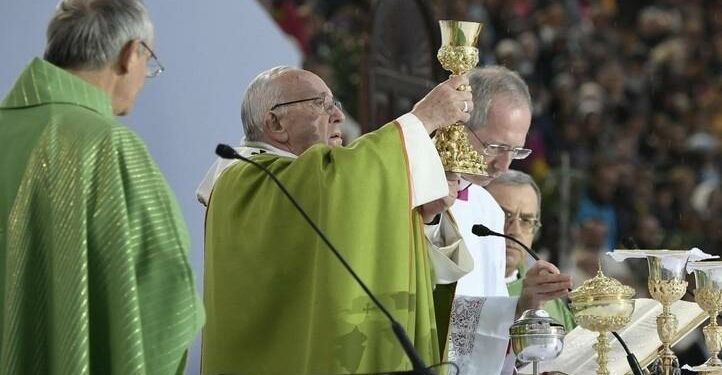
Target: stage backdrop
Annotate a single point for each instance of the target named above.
(211, 50)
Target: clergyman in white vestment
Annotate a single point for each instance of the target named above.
(483, 311)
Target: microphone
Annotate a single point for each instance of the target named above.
(482, 231)
(227, 152)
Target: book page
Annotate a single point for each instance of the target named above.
(640, 335)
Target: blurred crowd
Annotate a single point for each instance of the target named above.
(627, 94)
(628, 108)
(332, 36)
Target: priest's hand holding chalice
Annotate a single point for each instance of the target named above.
(458, 54)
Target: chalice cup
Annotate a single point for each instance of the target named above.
(667, 284)
(458, 54)
(708, 295)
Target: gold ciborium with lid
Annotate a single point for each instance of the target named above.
(602, 304)
(458, 54)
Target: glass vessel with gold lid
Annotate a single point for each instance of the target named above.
(602, 304)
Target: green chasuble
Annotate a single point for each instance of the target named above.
(279, 302)
(556, 308)
(94, 275)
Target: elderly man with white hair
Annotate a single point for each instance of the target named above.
(278, 301)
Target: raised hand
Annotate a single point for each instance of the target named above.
(445, 104)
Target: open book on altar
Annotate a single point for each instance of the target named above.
(640, 335)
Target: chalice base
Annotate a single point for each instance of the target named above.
(708, 370)
(668, 363)
(713, 340)
(456, 152)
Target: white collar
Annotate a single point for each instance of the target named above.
(250, 148)
(246, 149)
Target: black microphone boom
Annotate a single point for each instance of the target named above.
(482, 231)
(227, 152)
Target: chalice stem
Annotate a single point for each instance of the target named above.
(602, 349)
(713, 339)
(667, 328)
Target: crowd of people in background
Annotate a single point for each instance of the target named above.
(627, 112)
(630, 93)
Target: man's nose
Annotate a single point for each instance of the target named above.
(502, 161)
(337, 115)
(513, 227)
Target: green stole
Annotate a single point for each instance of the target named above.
(556, 308)
(279, 302)
(94, 275)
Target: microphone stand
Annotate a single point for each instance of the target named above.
(227, 152)
(482, 231)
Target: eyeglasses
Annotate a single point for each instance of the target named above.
(154, 67)
(324, 102)
(527, 223)
(493, 149)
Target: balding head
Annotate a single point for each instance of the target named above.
(291, 109)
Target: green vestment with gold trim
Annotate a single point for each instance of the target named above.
(94, 274)
(279, 302)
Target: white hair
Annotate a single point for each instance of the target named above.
(494, 82)
(262, 94)
(90, 34)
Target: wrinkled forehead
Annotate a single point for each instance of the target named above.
(300, 84)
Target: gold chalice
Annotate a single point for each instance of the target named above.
(458, 54)
(667, 284)
(708, 277)
(602, 304)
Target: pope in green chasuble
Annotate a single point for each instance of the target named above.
(278, 301)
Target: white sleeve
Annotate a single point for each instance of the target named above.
(480, 333)
(450, 258)
(203, 193)
(428, 180)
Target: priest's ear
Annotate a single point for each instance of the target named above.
(273, 128)
(130, 55)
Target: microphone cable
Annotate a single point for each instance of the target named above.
(227, 152)
(631, 358)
